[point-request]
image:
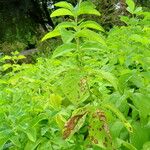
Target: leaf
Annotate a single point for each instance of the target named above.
(74, 124)
(119, 115)
(63, 49)
(126, 144)
(55, 101)
(6, 66)
(141, 102)
(125, 19)
(31, 133)
(87, 8)
(3, 142)
(66, 25)
(21, 57)
(51, 34)
(146, 146)
(37, 119)
(138, 10)
(64, 5)
(141, 39)
(74, 86)
(109, 77)
(60, 121)
(7, 57)
(92, 25)
(15, 140)
(61, 12)
(67, 36)
(32, 145)
(116, 129)
(45, 145)
(99, 133)
(131, 4)
(91, 35)
(91, 45)
(139, 136)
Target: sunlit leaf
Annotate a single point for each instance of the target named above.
(92, 25)
(64, 4)
(51, 34)
(131, 4)
(66, 25)
(61, 12)
(55, 101)
(87, 8)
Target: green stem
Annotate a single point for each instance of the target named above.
(78, 52)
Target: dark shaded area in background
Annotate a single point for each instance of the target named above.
(23, 20)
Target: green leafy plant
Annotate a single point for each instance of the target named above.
(92, 93)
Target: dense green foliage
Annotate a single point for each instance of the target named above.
(91, 93)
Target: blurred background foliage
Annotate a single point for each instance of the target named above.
(24, 22)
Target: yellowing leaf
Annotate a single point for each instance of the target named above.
(55, 101)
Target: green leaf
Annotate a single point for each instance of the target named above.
(67, 36)
(7, 57)
(146, 146)
(92, 25)
(91, 35)
(32, 145)
(31, 133)
(63, 49)
(55, 101)
(141, 39)
(37, 119)
(126, 144)
(141, 102)
(3, 142)
(119, 115)
(6, 66)
(109, 77)
(138, 10)
(64, 4)
(45, 145)
(61, 12)
(87, 8)
(15, 140)
(51, 34)
(131, 4)
(66, 25)
(91, 45)
(21, 57)
(60, 120)
(139, 136)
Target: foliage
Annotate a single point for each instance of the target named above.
(92, 93)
